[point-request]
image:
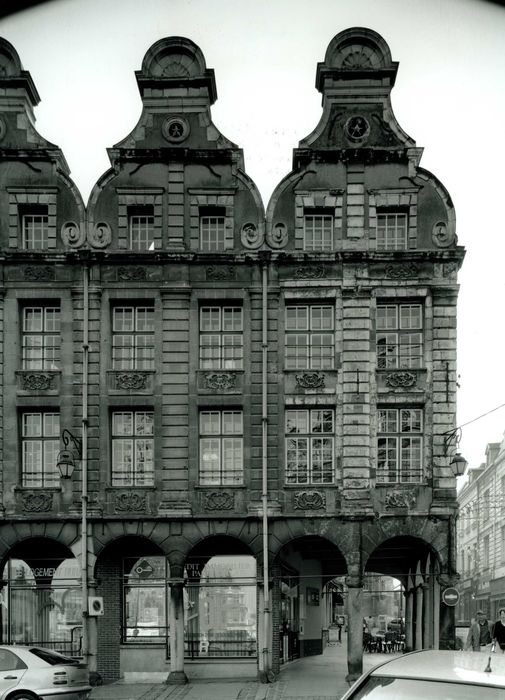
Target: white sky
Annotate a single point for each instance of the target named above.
(449, 96)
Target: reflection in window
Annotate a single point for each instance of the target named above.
(400, 445)
(145, 596)
(221, 337)
(41, 337)
(42, 604)
(221, 447)
(132, 448)
(309, 337)
(40, 442)
(133, 337)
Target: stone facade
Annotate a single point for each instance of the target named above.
(356, 242)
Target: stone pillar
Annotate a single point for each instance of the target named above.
(409, 615)
(436, 613)
(355, 627)
(177, 675)
(419, 617)
(92, 632)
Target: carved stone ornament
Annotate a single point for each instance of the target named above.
(277, 237)
(401, 379)
(401, 272)
(130, 502)
(100, 236)
(309, 500)
(39, 273)
(219, 500)
(400, 499)
(250, 236)
(220, 381)
(131, 380)
(220, 272)
(441, 236)
(37, 381)
(133, 273)
(310, 380)
(310, 273)
(357, 128)
(37, 502)
(450, 269)
(72, 234)
(175, 129)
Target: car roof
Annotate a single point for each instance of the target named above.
(454, 666)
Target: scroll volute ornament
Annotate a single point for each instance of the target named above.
(72, 234)
(100, 235)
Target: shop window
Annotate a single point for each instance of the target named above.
(141, 227)
(221, 337)
(317, 230)
(40, 341)
(221, 448)
(34, 227)
(392, 231)
(145, 596)
(399, 340)
(42, 604)
(310, 446)
(40, 443)
(220, 608)
(212, 229)
(133, 337)
(309, 337)
(400, 445)
(132, 448)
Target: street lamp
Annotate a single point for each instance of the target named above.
(73, 451)
(67, 457)
(458, 464)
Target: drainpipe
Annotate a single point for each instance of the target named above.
(84, 464)
(264, 494)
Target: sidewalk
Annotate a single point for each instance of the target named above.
(311, 678)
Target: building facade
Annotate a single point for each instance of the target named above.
(254, 403)
(481, 538)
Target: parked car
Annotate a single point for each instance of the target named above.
(396, 624)
(438, 675)
(29, 672)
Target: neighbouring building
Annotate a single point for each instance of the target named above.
(254, 403)
(481, 538)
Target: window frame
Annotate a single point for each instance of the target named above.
(213, 238)
(391, 341)
(50, 356)
(218, 359)
(146, 212)
(309, 359)
(49, 446)
(311, 437)
(131, 360)
(395, 441)
(35, 211)
(326, 239)
(400, 235)
(123, 477)
(216, 440)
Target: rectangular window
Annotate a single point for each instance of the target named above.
(399, 336)
(40, 343)
(141, 226)
(310, 446)
(133, 337)
(400, 445)
(34, 227)
(212, 229)
(317, 230)
(40, 444)
(310, 339)
(485, 552)
(221, 337)
(221, 448)
(391, 231)
(132, 448)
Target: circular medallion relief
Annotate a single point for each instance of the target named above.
(175, 129)
(357, 128)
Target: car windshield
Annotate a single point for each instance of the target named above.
(384, 688)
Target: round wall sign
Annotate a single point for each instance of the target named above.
(450, 596)
(357, 128)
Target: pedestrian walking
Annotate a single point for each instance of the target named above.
(479, 634)
(499, 630)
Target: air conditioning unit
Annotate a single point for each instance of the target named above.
(95, 605)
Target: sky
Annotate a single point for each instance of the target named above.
(449, 96)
